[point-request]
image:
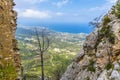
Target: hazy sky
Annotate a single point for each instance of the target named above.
(61, 11)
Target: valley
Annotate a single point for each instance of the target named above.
(63, 48)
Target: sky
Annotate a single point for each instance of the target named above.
(60, 11)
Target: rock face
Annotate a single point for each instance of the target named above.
(99, 58)
(9, 55)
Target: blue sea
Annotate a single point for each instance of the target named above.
(71, 28)
(68, 27)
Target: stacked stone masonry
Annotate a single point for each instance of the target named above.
(8, 44)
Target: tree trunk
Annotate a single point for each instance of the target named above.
(42, 66)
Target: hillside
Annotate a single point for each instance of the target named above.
(99, 59)
(63, 47)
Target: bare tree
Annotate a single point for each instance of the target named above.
(96, 22)
(43, 45)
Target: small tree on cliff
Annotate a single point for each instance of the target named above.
(43, 45)
(96, 22)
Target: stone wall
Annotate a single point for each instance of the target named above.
(9, 55)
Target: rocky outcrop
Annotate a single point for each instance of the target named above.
(99, 58)
(9, 56)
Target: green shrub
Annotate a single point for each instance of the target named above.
(117, 13)
(8, 72)
(106, 20)
(103, 31)
(111, 38)
(106, 32)
(87, 78)
(91, 66)
(109, 66)
(116, 9)
(113, 10)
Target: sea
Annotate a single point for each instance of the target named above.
(71, 28)
(67, 27)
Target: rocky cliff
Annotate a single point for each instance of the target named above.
(9, 55)
(99, 58)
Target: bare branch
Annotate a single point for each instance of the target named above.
(47, 44)
(43, 40)
(43, 44)
(38, 39)
(96, 22)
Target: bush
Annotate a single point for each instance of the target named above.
(117, 11)
(91, 66)
(109, 66)
(112, 38)
(8, 72)
(106, 20)
(113, 10)
(87, 78)
(117, 14)
(103, 31)
(106, 32)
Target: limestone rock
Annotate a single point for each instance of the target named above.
(116, 66)
(115, 75)
(71, 72)
(103, 76)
